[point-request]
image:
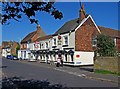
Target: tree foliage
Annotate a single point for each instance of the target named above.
(16, 10)
(17, 48)
(106, 46)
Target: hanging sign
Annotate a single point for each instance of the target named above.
(59, 40)
(36, 45)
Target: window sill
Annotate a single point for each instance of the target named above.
(64, 45)
(54, 46)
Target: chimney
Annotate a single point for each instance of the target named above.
(39, 31)
(81, 14)
(38, 28)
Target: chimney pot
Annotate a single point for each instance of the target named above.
(82, 14)
(38, 26)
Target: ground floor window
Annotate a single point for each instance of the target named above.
(24, 54)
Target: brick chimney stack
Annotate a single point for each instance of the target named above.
(82, 13)
(38, 28)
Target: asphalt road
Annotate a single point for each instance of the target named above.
(13, 68)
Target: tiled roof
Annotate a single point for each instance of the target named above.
(34, 35)
(44, 38)
(28, 37)
(73, 24)
(109, 31)
(68, 26)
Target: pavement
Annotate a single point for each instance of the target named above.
(84, 71)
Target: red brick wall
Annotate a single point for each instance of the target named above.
(23, 46)
(83, 36)
(13, 48)
(118, 44)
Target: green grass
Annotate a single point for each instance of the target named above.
(106, 72)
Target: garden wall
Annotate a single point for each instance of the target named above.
(107, 63)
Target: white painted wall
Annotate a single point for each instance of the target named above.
(6, 52)
(44, 44)
(71, 40)
(31, 46)
(86, 58)
(21, 54)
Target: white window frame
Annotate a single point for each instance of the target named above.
(94, 40)
(114, 39)
(42, 44)
(46, 45)
(64, 41)
(54, 41)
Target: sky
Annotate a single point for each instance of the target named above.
(104, 14)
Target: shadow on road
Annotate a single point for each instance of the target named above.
(89, 69)
(20, 83)
(4, 66)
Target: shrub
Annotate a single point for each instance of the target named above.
(105, 46)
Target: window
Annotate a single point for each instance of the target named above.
(40, 46)
(94, 41)
(21, 46)
(114, 40)
(24, 54)
(46, 44)
(54, 40)
(66, 40)
(24, 45)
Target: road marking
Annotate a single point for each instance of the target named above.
(73, 73)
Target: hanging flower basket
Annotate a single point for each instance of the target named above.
(70, 52)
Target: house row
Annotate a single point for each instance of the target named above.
(75, 41)
(9, 48)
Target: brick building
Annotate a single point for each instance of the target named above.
(75, 41)
(9, 48)
(24, 51)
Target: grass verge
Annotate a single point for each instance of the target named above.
(106, 72)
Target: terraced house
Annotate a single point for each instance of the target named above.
(75, 41)
(9, 48)
(24, 51)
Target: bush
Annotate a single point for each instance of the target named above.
(106, 46)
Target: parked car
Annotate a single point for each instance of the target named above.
(15, 58)
(9, 56)
(12, 57)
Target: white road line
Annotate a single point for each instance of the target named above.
(73, 73)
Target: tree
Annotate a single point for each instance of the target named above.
(15, 11)
(105, 46)
(17, 48)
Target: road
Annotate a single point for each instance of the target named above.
(15, 68)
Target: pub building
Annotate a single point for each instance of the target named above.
(75, 41)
